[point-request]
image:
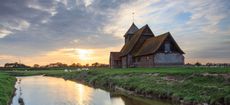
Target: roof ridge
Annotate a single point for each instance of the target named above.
(151, 45)
(136, 34)
(160, 39)
(132, 29)
(146, 25)
(114, 52)
(166, 33)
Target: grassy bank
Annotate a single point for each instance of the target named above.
(6, 88)
(185, 85)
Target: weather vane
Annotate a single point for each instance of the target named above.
(133, 16)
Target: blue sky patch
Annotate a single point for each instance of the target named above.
(183, 17)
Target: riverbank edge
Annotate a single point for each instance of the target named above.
(13, 92)
(13, 81)
(106, 81)
(12, 95)
(120, 90)
(110, 87)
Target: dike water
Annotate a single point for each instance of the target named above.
(43, 90)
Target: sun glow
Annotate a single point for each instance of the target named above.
(84, 55)
(83, 94)
(65, 55)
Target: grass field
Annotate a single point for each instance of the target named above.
(6, 88)
(182, 84)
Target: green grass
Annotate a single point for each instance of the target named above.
(6, 88)
(191, 84)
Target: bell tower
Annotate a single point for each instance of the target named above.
(128, 35)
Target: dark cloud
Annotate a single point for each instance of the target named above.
(54, 25)
(39, 26)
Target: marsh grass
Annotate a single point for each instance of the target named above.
(184, 84)
(6, 88)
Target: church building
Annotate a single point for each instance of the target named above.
(143, 49)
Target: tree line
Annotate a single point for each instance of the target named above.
(54, 65)
(209, 64)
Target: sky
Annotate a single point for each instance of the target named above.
(85, 31)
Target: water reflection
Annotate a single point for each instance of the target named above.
(39, 90)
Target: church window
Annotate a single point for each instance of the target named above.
(167, 47)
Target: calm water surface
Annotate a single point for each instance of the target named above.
(42, 90)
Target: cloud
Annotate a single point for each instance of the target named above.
(48, 6)
(45, 32)
(4, 32)
(116, 25)
(18, 25)
(198, 21)
(37, 27)
(88, 2)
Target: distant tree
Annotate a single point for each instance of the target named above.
(96, 64)
(209, 64)
(104, 65)
(79, 65)
(58, 64)
(36, 66)
(188, 64)
(73, 65)
(87, 65)
(197, 64)
(15, 65)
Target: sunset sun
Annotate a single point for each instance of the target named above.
(84, 54)
(115, 52)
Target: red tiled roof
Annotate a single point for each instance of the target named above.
(129, 46)
(152, 44)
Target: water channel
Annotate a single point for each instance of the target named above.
(43, 90)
